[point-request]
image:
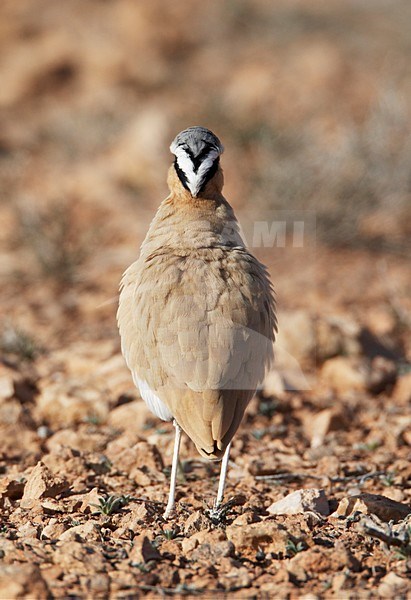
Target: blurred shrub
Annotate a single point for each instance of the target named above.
(58, 238)
(365, 172)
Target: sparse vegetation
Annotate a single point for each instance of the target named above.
(293, 547)
(19, 343)
(57, 239)
(267, 408)
(111, 504)
(388, 479)
(171, 534)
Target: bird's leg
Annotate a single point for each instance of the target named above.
(171, 495)
(221, 483)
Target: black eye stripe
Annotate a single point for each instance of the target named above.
(197, 160)
(181, 175)
(210, 173)
(201, 157)
(188, 151)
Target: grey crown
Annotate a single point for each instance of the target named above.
(196, 139)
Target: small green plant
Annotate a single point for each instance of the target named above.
(293, 547)
(388, 479)
(57, 238)
(75, 523)
(111, 504)
(368, 446)
(161, 431)
(16, 341)
(373, 445)
(258, 434)
(93, 419)
(171, 534)
(267, 408)
(142, 567)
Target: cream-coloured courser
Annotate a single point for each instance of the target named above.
(196, 312)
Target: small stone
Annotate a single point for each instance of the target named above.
(317, 426)
(392, 585)
(131, 416)
(11, 488)
(246, 518)
(143, 550)
(338, 582)
(44, 432)
(296, 569)
(331, 336)
(171, 548)
(89, 531)
(98, 585)
(98, 463)
(90, 499)
(344, 374)
(381, 506)
(62, 405)
(141, 455)
(406, 436)
(134, 517)
(42, 483)
(140, 477)
(301, 501)
(402, 390)
(188, 544)
(317, 560)
(394, 493)
(26, 531)
(297, 335)
(196, 522)
(66, 460)
(6, 387)
(213, 551)
(22, 581)
(383, 374)
(267, 536)
(53, 530)
(76, 441)
(74, 558)
(239, 578)
(52, 506)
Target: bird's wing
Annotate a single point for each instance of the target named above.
(198, 330)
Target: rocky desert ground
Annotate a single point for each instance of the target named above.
(312, 102)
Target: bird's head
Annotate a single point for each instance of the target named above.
(197, 156)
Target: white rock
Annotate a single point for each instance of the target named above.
(301, 501)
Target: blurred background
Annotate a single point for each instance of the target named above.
(312, 101)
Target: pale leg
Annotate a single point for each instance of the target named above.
(177, 439)
(223, 474)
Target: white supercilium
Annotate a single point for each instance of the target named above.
(194, 179)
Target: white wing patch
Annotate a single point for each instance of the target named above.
(194, 180)
(153, 402)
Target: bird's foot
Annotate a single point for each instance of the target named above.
(218, 513)
(168, 511)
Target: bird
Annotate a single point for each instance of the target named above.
(196, 314)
